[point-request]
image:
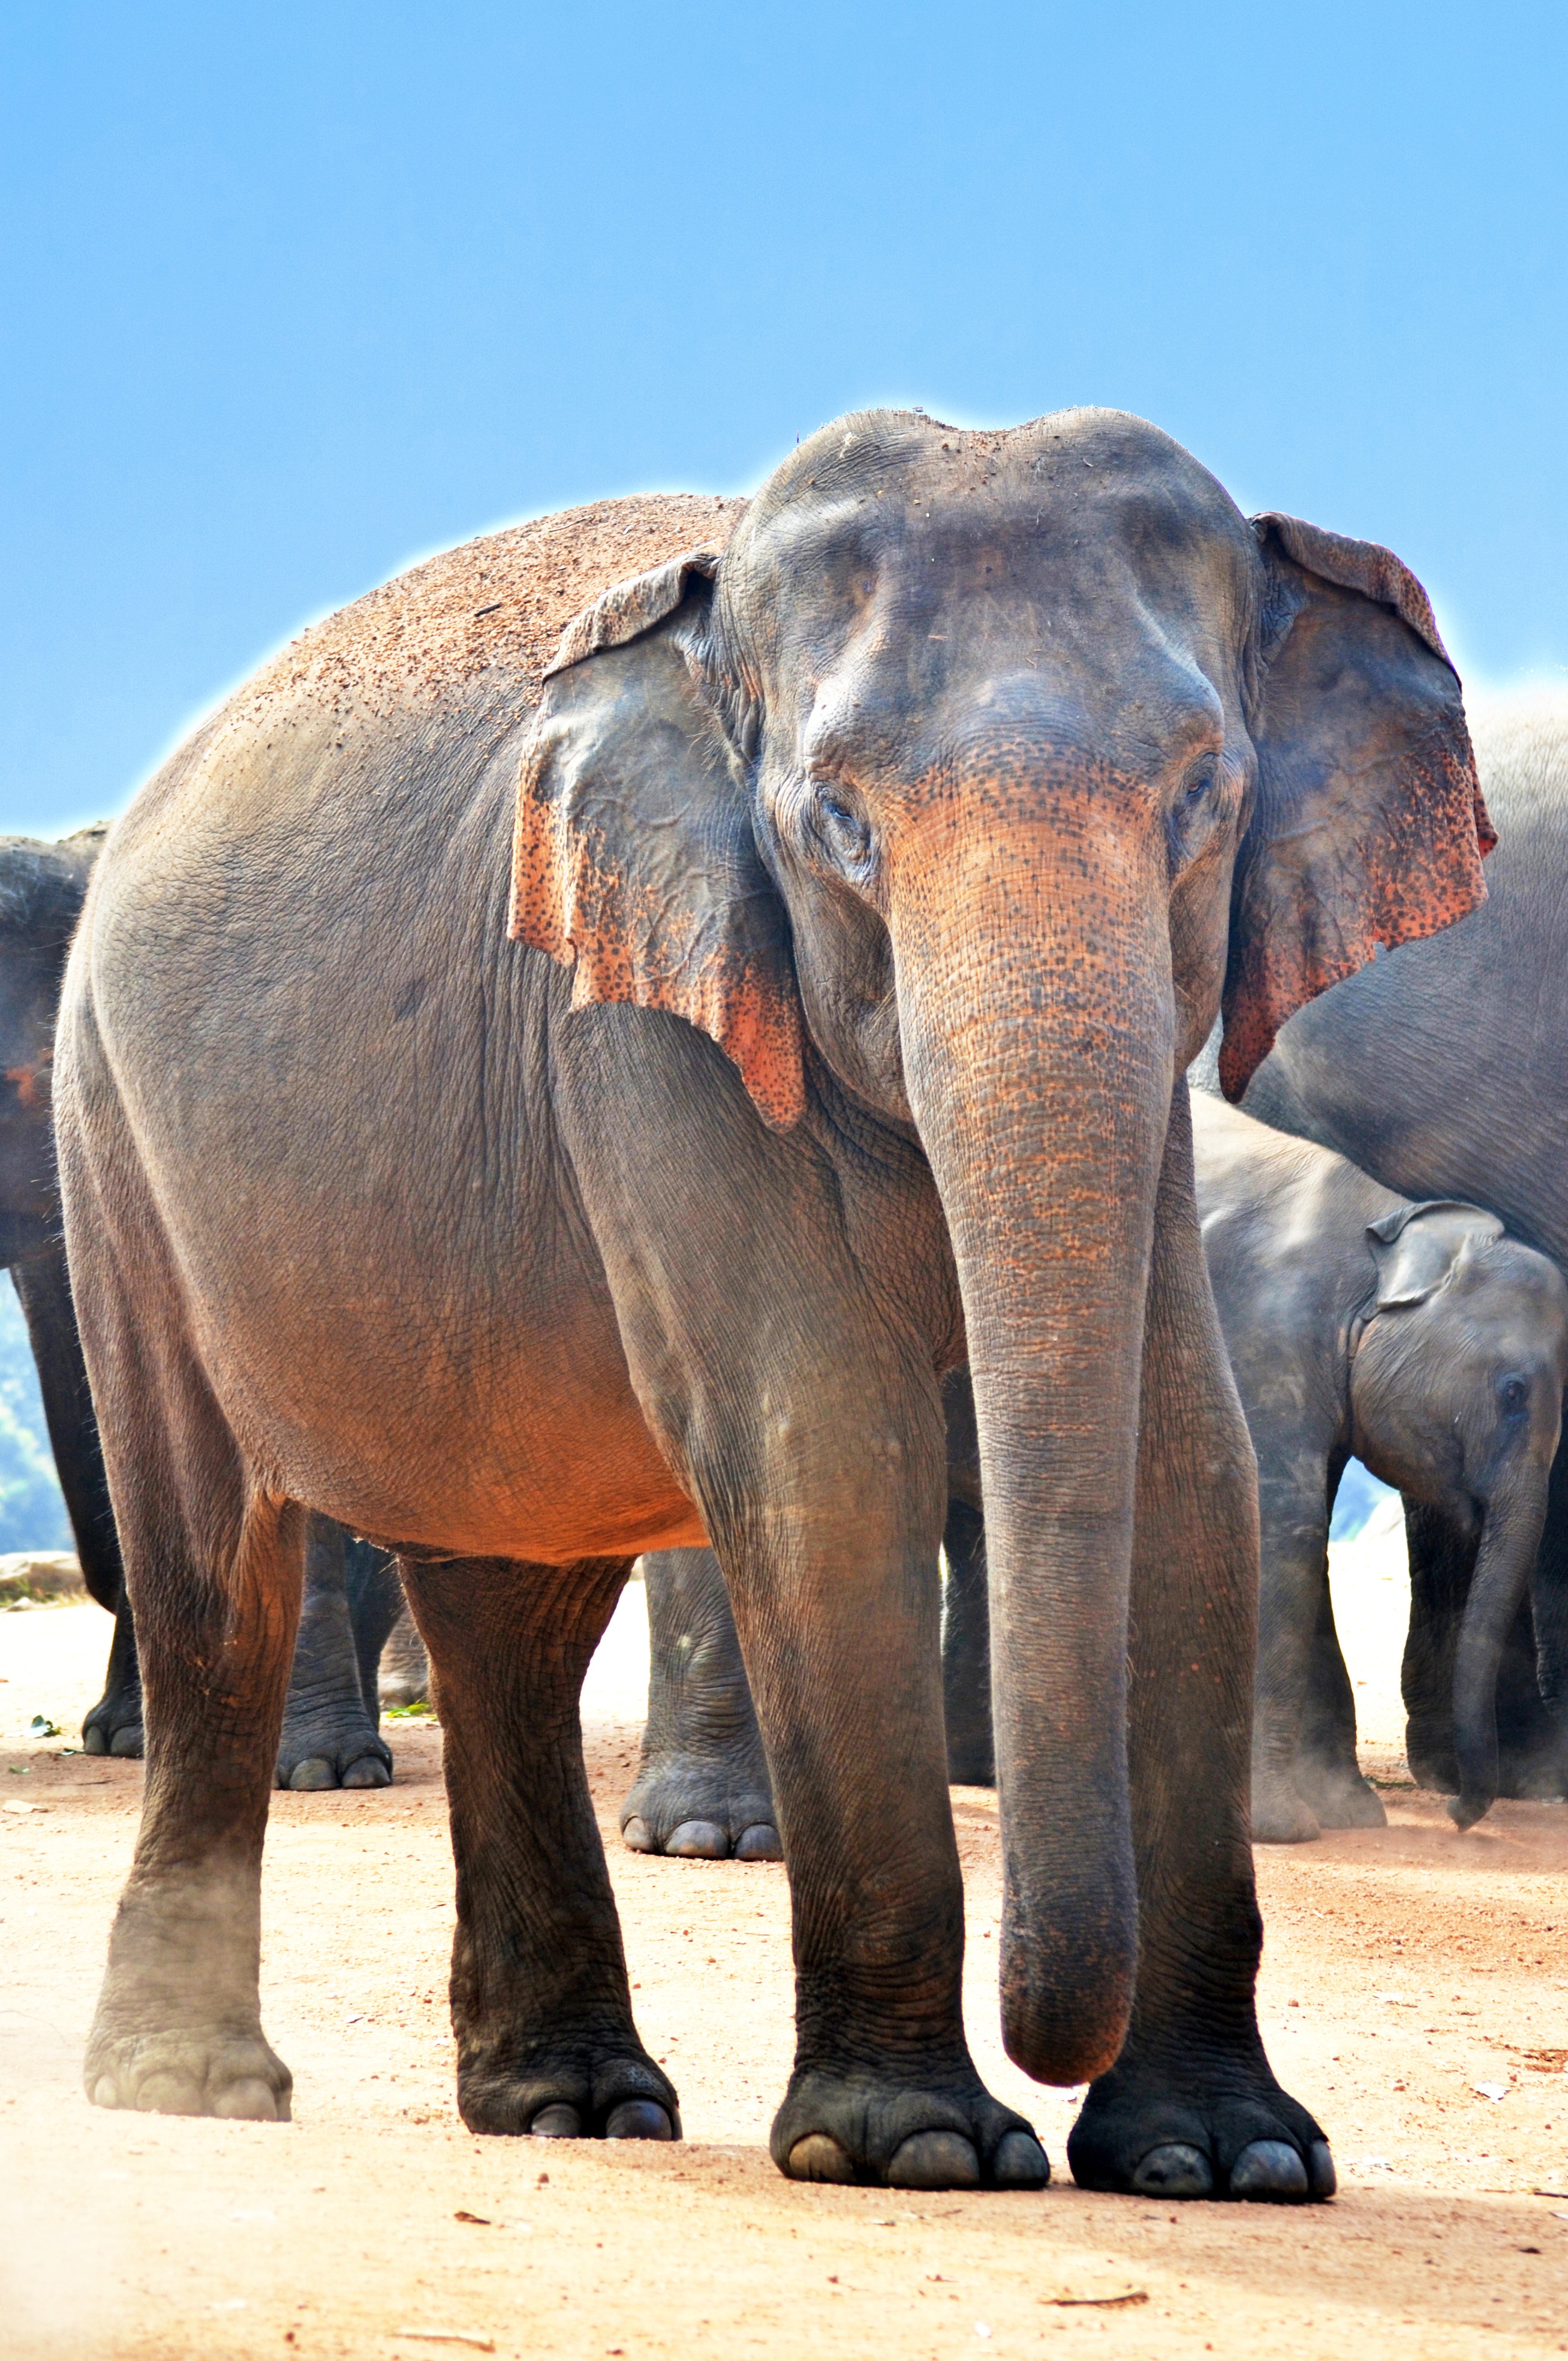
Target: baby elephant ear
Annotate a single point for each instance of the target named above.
(634, 861)
(1416, 1246)
(1368, 828)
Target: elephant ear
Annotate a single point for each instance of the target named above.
(1369, 829)
(1416, 1246)
(634, 862)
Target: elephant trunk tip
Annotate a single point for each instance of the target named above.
(1071, 2032)
(1467, 1809)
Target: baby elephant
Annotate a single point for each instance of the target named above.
(1432, 1347)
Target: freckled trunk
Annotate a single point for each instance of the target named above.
(1036, 1020)
(1510, 1537)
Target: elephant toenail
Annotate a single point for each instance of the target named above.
(819, 2157)
(1320, 2168)
(250, 2100)
(309, 1777)
(94, 1742)
(760, 1842)
(168, 2094)
(639, 1837)
(1020, 2162)
(369, 1772)
(699, 1840)
(105, 2091)
(557, 2121)
(639, 2119)
(935, 2161)
(126, 1744)
(1270, 2171)
(1176, 2169)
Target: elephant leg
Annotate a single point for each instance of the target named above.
(114, 1724)
(830, 1552)
(1443, 1562)
(43, 1289)
(1532, 1759)
(966, 1650)
(1191, 2108)
(404, 1675)
(1293, 1581)
(376, 1609)
(215, 1578)
(702, 1784)
(329, 1737)
(541, 2005)
(1328, 1774)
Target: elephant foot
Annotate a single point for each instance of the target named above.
(1279, 1814)
(572, 2092)
(1243, 2137)
(1340, 1802)
(849, 2128)
(331, 1748)
(1531, 1778)
(702, 1807)
(405, 1668)
(113, 1726)
(189, 2072)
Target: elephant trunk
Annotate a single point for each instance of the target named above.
(1510, 1537)
(1037, 1022)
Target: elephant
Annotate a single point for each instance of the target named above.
(1432, 1347)
(329, 1737)
(1442, 1072)
(657, 989)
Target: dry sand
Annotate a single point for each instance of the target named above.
(1402, 1970)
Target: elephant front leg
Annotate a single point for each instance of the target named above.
(832, 1561)
(702, 1786)
(1191, 2108)
(539, 2002)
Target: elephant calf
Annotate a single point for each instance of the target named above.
(1432, 1347)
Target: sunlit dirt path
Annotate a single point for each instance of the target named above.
(1406, 1975)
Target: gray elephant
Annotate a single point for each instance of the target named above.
(1432, 1347)
(879, 859)
(1443, 1071)
(328, 1738)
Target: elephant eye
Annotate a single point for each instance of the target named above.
(844, 833)
(1513, 1393)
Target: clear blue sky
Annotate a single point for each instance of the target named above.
(293, 295)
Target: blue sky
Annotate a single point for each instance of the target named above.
(293, 295)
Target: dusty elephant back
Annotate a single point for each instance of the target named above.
(488, 613)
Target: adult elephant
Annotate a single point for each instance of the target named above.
(329, 1737)
(1443, 1072)
(874, 877)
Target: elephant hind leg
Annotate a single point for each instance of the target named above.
(540, 2004)
(214, 1563)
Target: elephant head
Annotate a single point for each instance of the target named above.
(977, 771)
(1457, 1397)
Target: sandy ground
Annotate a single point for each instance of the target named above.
(1403, 1970)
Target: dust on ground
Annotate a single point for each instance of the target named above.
(1412, 1994)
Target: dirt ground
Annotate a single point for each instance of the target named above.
(1412, 1994)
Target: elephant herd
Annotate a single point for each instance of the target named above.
(665, 1032)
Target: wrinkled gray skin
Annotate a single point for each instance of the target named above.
(702, 1789)
(1443, 1071)
(1417, 1337)
(912, 820)
(328, 1738)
